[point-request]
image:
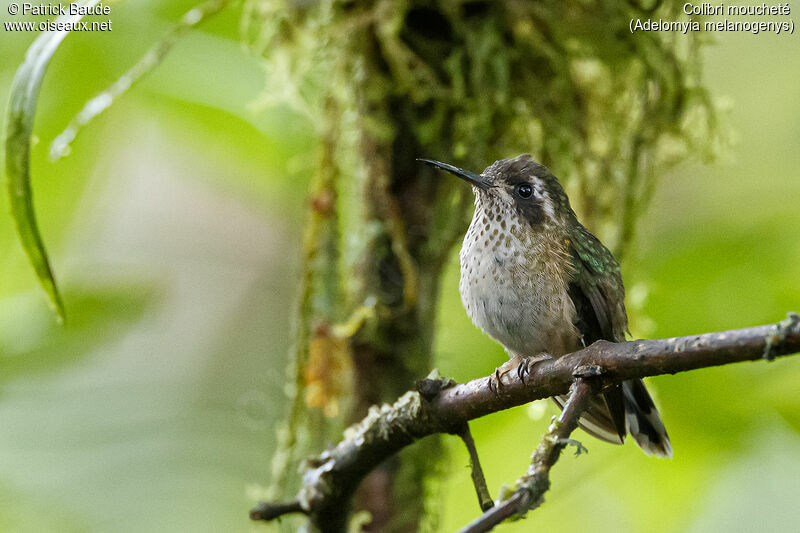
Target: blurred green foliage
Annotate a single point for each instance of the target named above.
(176, 223)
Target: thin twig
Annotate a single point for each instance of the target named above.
(478, 479)
(531, 487)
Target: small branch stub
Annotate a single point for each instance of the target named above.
(478, 479)
(271, 511)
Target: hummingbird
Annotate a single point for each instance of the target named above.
(537, 281)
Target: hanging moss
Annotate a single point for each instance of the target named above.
(566, 82)
(468, 82)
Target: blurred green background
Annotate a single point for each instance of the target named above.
(174, 228)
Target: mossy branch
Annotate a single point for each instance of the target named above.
(332, 477)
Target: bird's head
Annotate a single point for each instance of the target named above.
(518, 186)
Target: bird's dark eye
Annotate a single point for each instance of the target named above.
(524, 190)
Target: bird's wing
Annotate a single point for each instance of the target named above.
(599, 299)
(598, 295)
(597, 278)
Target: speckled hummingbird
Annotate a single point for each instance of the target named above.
(535, 280)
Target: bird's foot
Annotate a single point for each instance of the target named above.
(522, 366)
(526, 364)
(496, 379)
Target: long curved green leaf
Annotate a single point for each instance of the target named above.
(19, 127)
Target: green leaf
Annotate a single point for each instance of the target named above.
(19, 127)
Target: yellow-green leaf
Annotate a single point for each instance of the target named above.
(19, 127)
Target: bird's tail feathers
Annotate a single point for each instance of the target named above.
(596, 420)
(642, 420)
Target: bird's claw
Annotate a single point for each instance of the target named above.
(526, 365)
(495, 383)
(523, 369)
(522, 365)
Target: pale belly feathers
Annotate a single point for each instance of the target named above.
(514, 290)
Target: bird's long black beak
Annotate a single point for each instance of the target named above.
(475, 179)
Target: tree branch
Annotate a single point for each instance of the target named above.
(478, 480)
(331, 478)
(531, 487)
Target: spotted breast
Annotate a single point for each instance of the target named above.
(512, 289)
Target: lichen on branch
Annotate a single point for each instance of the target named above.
(331, 478)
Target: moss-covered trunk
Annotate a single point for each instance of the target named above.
(467, 82)
(400, 269)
